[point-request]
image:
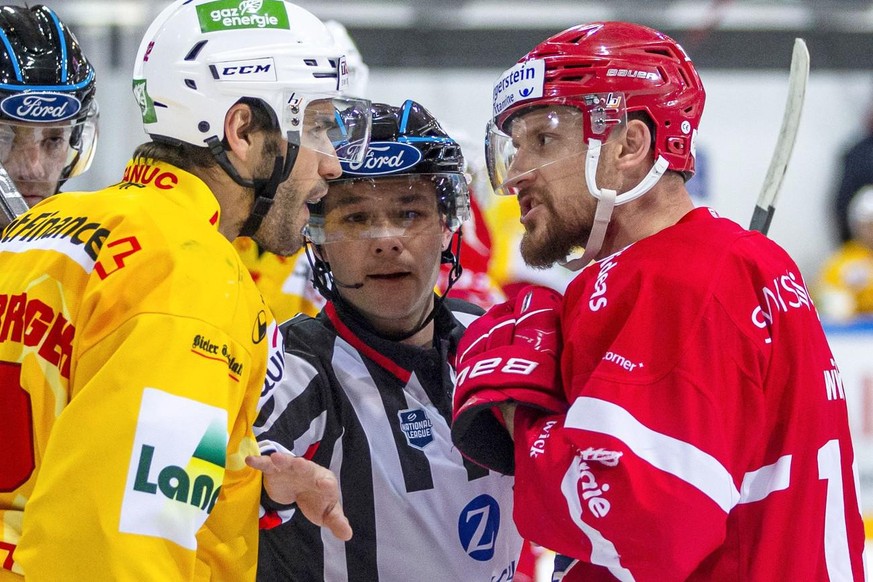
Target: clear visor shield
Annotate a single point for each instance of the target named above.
(338, 127)
(403, 206)
(545, 134)
(47, 152)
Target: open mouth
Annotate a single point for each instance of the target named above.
(389, 276)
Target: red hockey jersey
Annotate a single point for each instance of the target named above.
(708, 437)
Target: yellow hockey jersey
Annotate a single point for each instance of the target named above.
(283, 281)
(133, 349)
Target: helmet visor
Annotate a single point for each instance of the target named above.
(338, 127)
(47, 152)
(402, 206)
(546, 133)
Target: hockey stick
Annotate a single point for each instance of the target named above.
(797, 80)
(12, 205)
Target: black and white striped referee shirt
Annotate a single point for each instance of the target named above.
(377, 413)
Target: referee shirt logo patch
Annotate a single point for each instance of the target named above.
(417, 427)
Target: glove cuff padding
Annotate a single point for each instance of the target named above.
(482, 438)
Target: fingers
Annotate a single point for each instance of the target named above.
(262, 463)
(337, 522)
(290, 479)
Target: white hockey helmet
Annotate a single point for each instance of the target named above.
(198, 58)
(359, 72)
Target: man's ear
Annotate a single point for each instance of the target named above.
(447, 237)
(238, 131)
(637, 146)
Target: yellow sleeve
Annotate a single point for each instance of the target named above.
(140, 456)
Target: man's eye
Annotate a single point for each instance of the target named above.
(54, 143)
(355, 218)
(545, 139)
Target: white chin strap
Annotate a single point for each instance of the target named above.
(607, 200)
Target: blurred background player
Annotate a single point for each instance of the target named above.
(48, 107)
(845, 286)
(368, 382)
(285, 282)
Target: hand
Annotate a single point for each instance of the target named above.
(510, 355)
(290, 479)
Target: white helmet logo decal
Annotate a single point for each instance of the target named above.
(250, 6)
(236, 14)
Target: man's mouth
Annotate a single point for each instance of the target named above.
(389, 276)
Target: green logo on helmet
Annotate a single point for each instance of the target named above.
(146, 105)
(236, 14)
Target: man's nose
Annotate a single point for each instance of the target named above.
(329, 167)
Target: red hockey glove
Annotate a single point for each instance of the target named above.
(509, 355)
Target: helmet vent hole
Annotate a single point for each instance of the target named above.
(195, 50)
(310, 62)
(191, 84)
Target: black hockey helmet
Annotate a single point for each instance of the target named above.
(45, 78)
(405, 141)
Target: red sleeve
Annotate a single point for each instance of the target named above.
(700, 422)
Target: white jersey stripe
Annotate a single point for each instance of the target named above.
(603, 552)
(683, 460)
(75, 252)
(762, 482)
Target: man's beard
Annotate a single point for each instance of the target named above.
(553, 240)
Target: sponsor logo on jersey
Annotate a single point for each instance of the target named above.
(145, 174)
(781, 296)
(522, 82)
(602, 456)
(248, 70)
(146, 105)
(598, 298)
(417, 427)
(259, 330)
(204, 347)
(478, 526)
(382, 157)
(236, 14)
(539, 445)
(621, 361)
(176, 468)
(34, 324)
(77, 237)
(41, 106)
(589, 492)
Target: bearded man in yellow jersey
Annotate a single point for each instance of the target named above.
(133, 343)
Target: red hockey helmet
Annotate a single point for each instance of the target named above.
(649, 68)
